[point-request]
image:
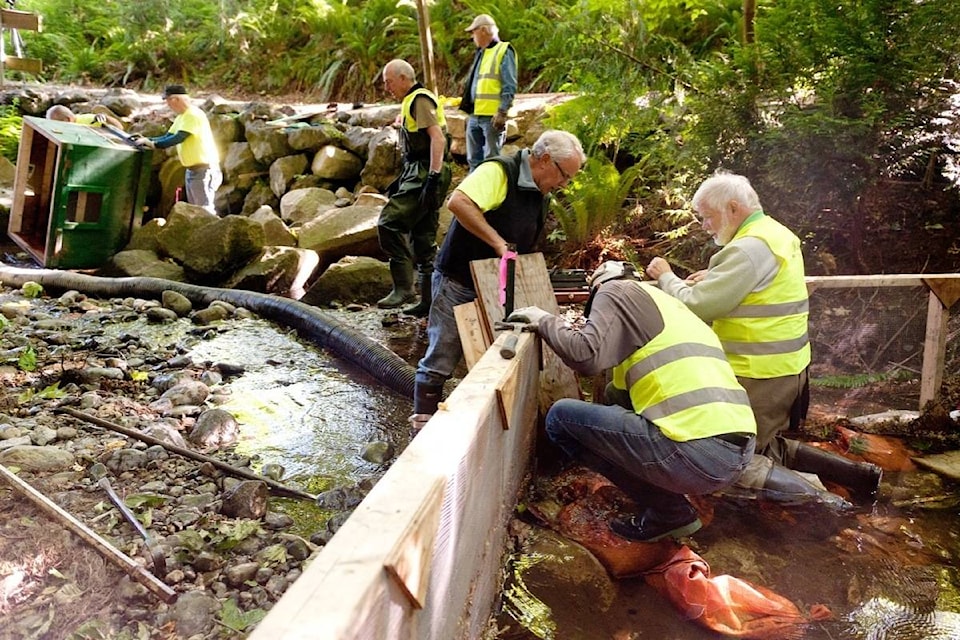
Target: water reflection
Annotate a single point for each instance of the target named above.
(886, 574)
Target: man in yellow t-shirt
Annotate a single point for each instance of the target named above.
(196, 147)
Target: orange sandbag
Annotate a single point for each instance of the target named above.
(726, 604)
(888, 453)
(586, 522)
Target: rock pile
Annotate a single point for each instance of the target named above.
(302, 191)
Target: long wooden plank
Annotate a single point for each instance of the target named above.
(351, 591)
(877, 280)
(125, 562)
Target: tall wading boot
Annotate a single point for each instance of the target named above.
(763, 478)
(422, 308)
(861, 478)
(426, 399)
(402, 274)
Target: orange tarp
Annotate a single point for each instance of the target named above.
(727, 604)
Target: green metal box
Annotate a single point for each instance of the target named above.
(78, 193)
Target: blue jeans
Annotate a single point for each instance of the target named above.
(201, 186)
(634, 454)
(483, 141)
(444, 350)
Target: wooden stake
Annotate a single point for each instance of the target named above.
(187, 453)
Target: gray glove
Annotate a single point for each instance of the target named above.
(531, 316)
(142, 141)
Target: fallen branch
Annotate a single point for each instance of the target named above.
(187, 453)
(125, 562)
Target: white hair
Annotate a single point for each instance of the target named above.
(721, 188)
(400, 68)
(560, 145)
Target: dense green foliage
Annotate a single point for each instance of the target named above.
(832, 97)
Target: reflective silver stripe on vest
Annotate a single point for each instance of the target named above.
(668, 355)
(695, 398)
(770, 310)
(765, 348)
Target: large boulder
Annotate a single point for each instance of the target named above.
(239, 161)
(223, 246)
(275, 232)
(284, 170)
(315, 137)
(267, 142)
(302, 205)
(383, 159)
(143, 263)
(334, 163)
(184, 220)
(259, 195)
(341, 232)
(282, 271)
(351, 279)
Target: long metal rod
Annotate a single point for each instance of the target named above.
(187, 453)
(125, 562)
(156, 553)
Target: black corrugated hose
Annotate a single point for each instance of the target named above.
(311, 323)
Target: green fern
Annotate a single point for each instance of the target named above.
(857, 380)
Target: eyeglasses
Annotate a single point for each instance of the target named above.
(566, 178)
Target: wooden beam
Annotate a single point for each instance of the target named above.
(934, 350)
(878, 280)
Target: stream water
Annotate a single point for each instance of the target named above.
(888, 571)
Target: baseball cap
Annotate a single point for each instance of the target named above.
(482, 20)
(174, 90)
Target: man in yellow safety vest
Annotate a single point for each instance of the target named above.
(488, 91)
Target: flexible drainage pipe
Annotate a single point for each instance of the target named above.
(310, 322)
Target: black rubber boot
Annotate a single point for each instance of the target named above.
(861, 478)
(422, 308)
(402, 274)
(426, 399)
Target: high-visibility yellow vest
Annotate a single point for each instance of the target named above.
(417, 142)
(409, 120)
(681, 380)
(487, 100)
(766, 335)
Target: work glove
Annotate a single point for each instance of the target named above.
(530, 316)
(430, 193)
(100, 118)
(142, 141)
(500, 121)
